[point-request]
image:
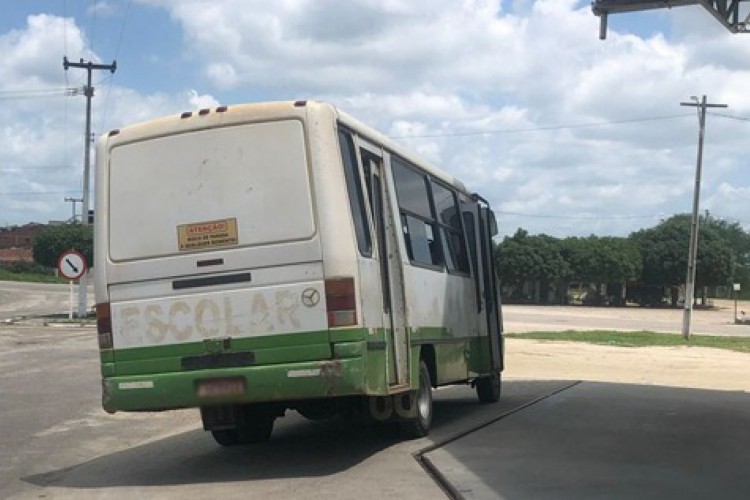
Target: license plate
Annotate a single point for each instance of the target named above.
(221, 387)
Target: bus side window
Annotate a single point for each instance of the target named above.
(471, 236)
(420, 228)
(451, 231)
(356, 196)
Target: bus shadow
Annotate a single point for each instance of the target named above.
(305, 449)
(298, 448)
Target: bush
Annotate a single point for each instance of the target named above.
(53, 241)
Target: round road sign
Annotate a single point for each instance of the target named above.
(72, 264)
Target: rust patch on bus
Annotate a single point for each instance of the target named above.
(331, 372)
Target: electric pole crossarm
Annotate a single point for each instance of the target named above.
(89, 65)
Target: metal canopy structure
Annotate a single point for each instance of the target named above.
(727, 12)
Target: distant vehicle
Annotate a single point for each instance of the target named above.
(263, 257)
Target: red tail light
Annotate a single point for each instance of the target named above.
(341, 302)
(104, 325)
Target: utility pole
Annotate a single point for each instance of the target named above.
(693, 250)
(74, 201)
(88, 91)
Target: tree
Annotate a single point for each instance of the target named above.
(605, 260)
(664, 250)
(54, 240)
(522, 258)
(739, 240)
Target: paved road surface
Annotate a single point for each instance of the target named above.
(58, 443)
(18, 299)
(589, 440)
(518, 319)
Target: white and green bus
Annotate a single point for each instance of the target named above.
(258, 258)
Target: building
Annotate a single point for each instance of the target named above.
(17, 242)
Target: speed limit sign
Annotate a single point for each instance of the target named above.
(72, 264)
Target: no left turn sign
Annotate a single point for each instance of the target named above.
(72, 264)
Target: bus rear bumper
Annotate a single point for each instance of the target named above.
(267, 383)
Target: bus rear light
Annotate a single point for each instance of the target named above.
(341, 302)
(104, 325)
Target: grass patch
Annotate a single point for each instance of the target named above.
(28, 276)
(639, 339)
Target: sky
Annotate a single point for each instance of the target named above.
(563, 133)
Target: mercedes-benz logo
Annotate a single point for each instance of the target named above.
(310, 297)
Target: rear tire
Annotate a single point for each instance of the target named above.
(258, 431)
(226, 437)
(420, 425)
(489, 388)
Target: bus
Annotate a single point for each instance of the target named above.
(267, 257)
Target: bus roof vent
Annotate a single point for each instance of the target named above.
(221, 109)
(203, 112)
(186, 114)
(300, 104)
(114, 132)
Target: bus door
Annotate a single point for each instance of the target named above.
(391, 274)
(492, 314)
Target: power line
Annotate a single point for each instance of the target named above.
(94, 9)
(38, 167)
(542, 129)
(731, 117)
(36, 91)
(10, 95)
(105, 112)
(576, 217)
(40, 193)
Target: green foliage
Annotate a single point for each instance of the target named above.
(664, 250)
(602, 260)
(54, 240)
(48, 276)
(739, 241)
(639, 339)
(649, 261)
(521, 258)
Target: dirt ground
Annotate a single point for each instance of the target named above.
(694, 367)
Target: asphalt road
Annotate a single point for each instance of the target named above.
(20, 300)
(525, 318)
(58, 443)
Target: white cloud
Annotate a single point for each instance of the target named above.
(102, 9)
(428, 67)
(445, 69)
(41, 131)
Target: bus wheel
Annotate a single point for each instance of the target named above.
(258, 431)
(226, 437)
(255, 431)
(488, 388)
(419, 426)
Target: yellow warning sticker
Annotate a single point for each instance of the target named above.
(215, 233)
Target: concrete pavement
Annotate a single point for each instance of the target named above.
(544, 439)
(597, 440)
(20, 299)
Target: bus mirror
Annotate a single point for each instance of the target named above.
(493, 223)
